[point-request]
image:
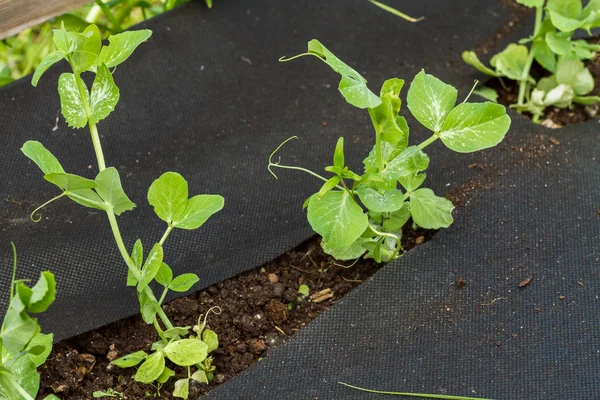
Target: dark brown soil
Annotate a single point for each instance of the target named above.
(554, 117)
(261, 309)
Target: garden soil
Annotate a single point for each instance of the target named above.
(206, 97)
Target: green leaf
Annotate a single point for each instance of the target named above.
(43, 294)
(46, 63)
(559, 42)
(544, 55)
(351, 252)
(69, 182)
(166, 375)
(388, 152)
(182, 388)
(169, 196)
(470, 57)
(211, 339)
(137, 256)
(130, 360)
(352, 85)
(199, 209)
(381, 201)
(152, 368)
(200, 376)
(474, 126)
(412, 182)
(511, 62)
(71, 102)
(430, 211)
(151, 266)
(164, 276)
(25, 375)
(397, 219)
(391, 89)
(567, 15)
(104, 96)
(84, 49)
(42, 157)
(121, 46)
(177, 332)
(386, 121)
(110, 190)
(183, 282)
(337, 218)
(430, 100)
(327, 186)
(61, 39)
(39, 348)
(487, 93)
(410, 161)
(186, 352)
(573, 73)
(338, 155)
(18, 330)
(149, 310)
(87, 198)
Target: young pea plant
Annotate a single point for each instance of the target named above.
(553, 47)
(23, 347)
(168, 194)
(350, 230)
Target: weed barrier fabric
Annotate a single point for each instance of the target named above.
(206, 97)
(411, 328)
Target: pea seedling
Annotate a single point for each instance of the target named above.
(168, 194)
(551, 45)
(23, 347)
(334, 212)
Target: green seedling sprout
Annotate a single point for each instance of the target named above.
(364, 214)
(23, 347)
(395, 12)
(553, 47)
(81, 107)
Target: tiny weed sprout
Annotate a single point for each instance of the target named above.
(335, 211)
(22, 344)
(168, 195)
(553, 47)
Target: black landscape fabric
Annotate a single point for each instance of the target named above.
(207, 98)
(411, 328)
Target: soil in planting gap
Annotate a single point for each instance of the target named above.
(261, 309)
(554, 117)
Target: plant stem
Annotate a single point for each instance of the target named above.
(423, 395)
(93, 129)
(166, 235)
(130, 264)
(378, 151)
(427, 142)
(162, 297)
(97, 147)
(525, 74)
(390, 235)
(111, 17)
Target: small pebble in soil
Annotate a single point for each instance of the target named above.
(273, 278)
